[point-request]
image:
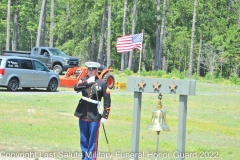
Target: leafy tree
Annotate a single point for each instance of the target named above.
(161, 34)
(192, 40)
(77, 30)
(41, 19)
(8, 25)
(157, 60)
(133, 31)
(124, 56)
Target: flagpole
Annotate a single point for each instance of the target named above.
(140, 57)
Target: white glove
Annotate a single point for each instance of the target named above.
(103, 120)
(91, 79)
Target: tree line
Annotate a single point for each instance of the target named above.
(191, 36)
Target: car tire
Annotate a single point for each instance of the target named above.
(52, 85)
(110, 80)
(58, 69)
(13, 84)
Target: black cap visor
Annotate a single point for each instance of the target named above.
(91, 68)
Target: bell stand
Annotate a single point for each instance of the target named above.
(141, 85)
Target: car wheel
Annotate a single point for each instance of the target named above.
(13, 84)
(26, 88)
(52, 85)
(58, 69)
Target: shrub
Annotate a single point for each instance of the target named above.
(153, 73)
(175, 73)
(128, 72)
(165, 76)
(194, 76)
(160, 73)
(144, 73)
(226, 82)
(234, 79)
(208, 77)
(218, 80)
(217, 73)
(116, 71)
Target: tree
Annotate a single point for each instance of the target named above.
(109, 34)
(232, 48)
(133, 31)
(43, 27)
(40, 23)
(192, 40)
(211, 58)
(51, 24)
(77, 31)
(161, 35)
(101, 43)
(156, 62)
(94, 44)
(124, 55)
(200, 40)
(239, 20)
(15, 28)
(8, 25)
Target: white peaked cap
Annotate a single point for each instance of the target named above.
(92, 64)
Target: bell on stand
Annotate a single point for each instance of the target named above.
(159, 122)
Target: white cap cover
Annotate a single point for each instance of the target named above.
(92, 65)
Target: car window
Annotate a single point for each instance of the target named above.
(26, 64)
(57, 52)
(38, 66)
(35, 50)
(43, 52)
(0, 62)
(12, 63)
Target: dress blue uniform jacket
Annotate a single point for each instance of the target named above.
(88, 111)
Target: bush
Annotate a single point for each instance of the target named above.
(144, 73)
(116, 71)
(217, 73)
(218, 80)
(234, 79)
(209, 77)
(160, 73)
(128, 72)
(176, 74)
(194, 76)
(153, 73)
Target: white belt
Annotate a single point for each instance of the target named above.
(90, 100)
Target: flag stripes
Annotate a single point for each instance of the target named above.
(129, 43)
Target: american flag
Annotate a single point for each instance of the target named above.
(129, 43)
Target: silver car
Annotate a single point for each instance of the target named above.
(26, 73)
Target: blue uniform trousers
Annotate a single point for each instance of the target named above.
(89, 139)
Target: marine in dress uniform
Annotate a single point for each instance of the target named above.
(93, 91)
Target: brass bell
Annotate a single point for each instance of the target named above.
(159, 122)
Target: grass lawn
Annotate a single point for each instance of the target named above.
(43, 124)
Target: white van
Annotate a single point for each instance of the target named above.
(26, 73)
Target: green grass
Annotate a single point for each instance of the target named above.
(44, 124)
